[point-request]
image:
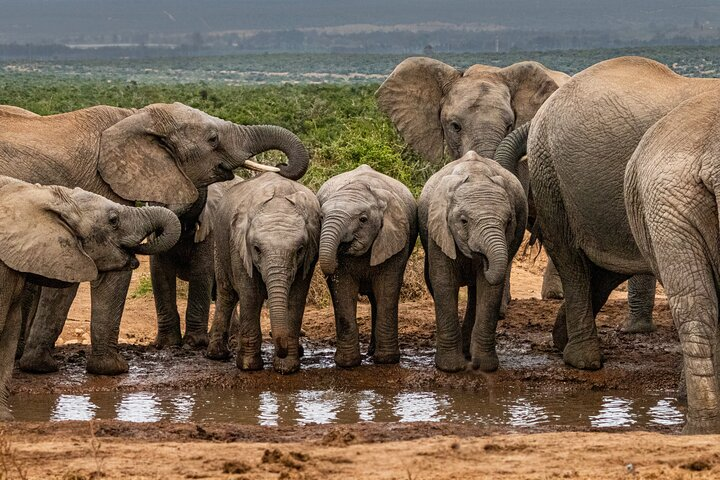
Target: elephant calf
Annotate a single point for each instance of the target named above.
(368, 232)
(477, 207)
(191, 259)
(54, 236)
(266, 244)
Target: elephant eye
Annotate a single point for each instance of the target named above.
(455, 126)
(463, 221)
(213, 140)
(363, 219)
(300, 249)
(509, 128)
(114, 220)
(257, 249)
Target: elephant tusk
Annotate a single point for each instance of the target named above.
(259, 167)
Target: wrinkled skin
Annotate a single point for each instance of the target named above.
(161, 153)
(266, 244)
(368, 232)
(672, 183)
(578, 147)
(472, 215)
(440, 110)
(55, 235)
(192, 260)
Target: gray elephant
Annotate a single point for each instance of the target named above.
(672, 183)
(472, 216)
(435, 105)
(369, 229)
(266, 246)
(55, 236)
(191, 259)
(578, 147)
(161, 153)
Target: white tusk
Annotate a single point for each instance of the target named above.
(259, 167)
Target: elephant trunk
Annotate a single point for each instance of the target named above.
(261, 138)
(330, 239)
(159, 221)
(490, 241)
(512, 149)
(277, 284)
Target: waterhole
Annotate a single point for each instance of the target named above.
(509, 408)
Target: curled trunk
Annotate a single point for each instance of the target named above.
(278, 289)
(512, 149)
(491, 243)
(163, 224)
(330, 238)
(261, 138)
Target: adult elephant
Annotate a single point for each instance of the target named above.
(162, 153)
(578, 147)
(672, 184)
(441, 110)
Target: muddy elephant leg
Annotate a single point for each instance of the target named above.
(9, 336)
(108, 294)
(641, 300)
(386, 290)
(552, 285)
(448, 338)
(202, 277)
(29, 301)
(373, 324)
(164, 284)
(469, 320)
(225, 304)
(248, 356)
(482, 349)
(344, 292)
(506, 297)
(45, 328)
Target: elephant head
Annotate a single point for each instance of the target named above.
(163, 153)
(476, 210)
(278, 240)
(359, 217)
(433, 104)
(70, 235)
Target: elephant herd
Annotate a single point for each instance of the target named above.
(615, 170)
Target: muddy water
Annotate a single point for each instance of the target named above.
(509, 408)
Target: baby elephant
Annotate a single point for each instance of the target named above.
(266, 244)
(472, 215)
(54, 236)
(368, 232)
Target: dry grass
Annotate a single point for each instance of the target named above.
(10, 465)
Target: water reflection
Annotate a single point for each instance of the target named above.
(509, 407)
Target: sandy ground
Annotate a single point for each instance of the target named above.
(114, 449)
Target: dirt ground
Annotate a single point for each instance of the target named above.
(415, 450)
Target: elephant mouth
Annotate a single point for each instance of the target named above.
(225, 172)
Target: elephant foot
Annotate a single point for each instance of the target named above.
(37, 360)
(559, 333)
(286, 365)
(196, 340)
(585, 355)
(386, 357)
(249, 362)
(168, 339)
(109, 363)
(701, 426)
(450, 361)
(485, 362)
(217, 350)
(553, 291)
(638, 325)
(348, 360)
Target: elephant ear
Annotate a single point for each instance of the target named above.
(36, 236)
(136, 159)
(438, 228)
(530, 85)
(308, 206)
(241, 224)
(411, 96)
(393, 234)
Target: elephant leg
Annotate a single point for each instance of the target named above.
(448, 355)
(202, 276)
(506, 293)
(9, 336)
(552, 285)
(386, 291)
(641, 300)
(373, 324)
(108, 294)
(29, 301)
(344, 291)
(45, 328)
(489, 299)
(469, 320)
(164, 284)
(225, 304)
(248, 355)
